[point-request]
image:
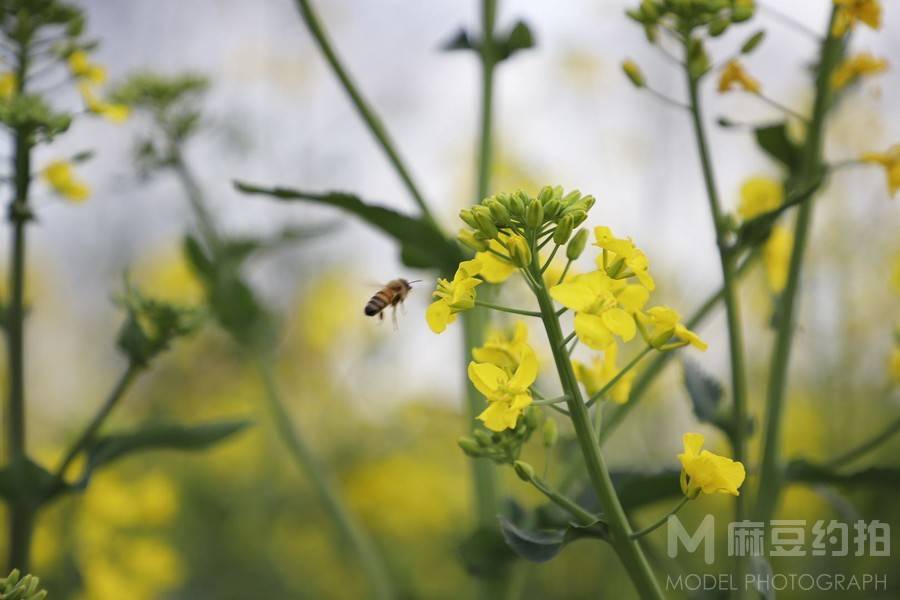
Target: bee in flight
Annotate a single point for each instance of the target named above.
(393, 293)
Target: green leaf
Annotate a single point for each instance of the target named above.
(159, 436)
(420, 242)
(541, 545)
(484, 553)
(26, 483)
(704, 391)
(775, 142)
(519, 38)
(753, 41)
(460, 41)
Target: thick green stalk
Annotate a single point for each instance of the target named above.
(362, 107)
(488, 62)
(21, 517)
(629, 550)
(349, 529)
(770, 474)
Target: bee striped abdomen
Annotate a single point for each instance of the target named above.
(379, 302)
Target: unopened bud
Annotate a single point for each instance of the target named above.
(545, 195)
(485, 221)
(533, 416)
(483, 437)
(571, 198)
(534, 214)
(552, 209)
(577, 244)
(551, 433)
(519, 252)
(524, 470)
(753, 41)
(633, 72)
(563, 230)
(468, 218)
(516, 205)
(578, 217)
(499, 212)
(467, 238)
(470, 446)
(718, 27)
(741, 12)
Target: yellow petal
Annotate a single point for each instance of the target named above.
(633, 297)
(487, 378)
(692, 442)
(438, 316)
(592, 331)
(498, 416)
(619, 322)
(574, 294)
(526, 373)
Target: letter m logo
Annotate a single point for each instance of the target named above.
(705, 533)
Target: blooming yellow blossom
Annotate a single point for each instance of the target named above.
(603, 307)
(890, 160)
(504, 351)
(7, 85)
(760, 195)
(453, 296)
(61, 177)
(618, 252)
(117, 113)
(661, 323)
(734, 75)
(82, 68)
(495, 269)
(507, 395)
(601, 371)
(851, 12)
(857, 66)
(776, 254)
(703, 471)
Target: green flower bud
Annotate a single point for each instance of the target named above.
(534, 214)
(468, 218)
(698, 60)
(545, 195)
(558, 192)
(753, 41)
(483, 437)
(718, 27)
(499, 212)
(633, 72)
(649, 9)
(552, 209)
(516, 205)
(551, 433)
(470, 446)
(485, 221)
(571, 198)
(742, 12)
(577, 244)
(533, 416)
(524, 470)
(578, 217)
(503, 198)
(588, 202)
(467, 238)
(650, 33)
(519, 252)
(524, 198)
(563, 230)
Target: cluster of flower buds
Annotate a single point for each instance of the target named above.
(16, 587)
(716, 16)
(504, 447)
(515, 218)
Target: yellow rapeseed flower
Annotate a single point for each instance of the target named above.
(8, 83)
(507, 395)
(618, 252)
(495, 269)
(851, 12)
(61, 177)
(776, 255)
(601, 371)
(734, 75)
(890, 160)
(116, 113)
(760, 195)
(82, 68)
(857, 66)
(703, 471)
(453, 296)
(502, 350)
(661, 323)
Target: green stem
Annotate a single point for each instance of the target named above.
(612, 382)
(21, 516)
(583, 516)
(369, 557)
(362, 107)
(488, 63)
(770, 475)
(865, 447)
(506, 309)
(661, 521)
(628, 550)
(728, 260)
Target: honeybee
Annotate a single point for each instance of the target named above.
(393, 293)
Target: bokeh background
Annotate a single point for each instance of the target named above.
(383, 407)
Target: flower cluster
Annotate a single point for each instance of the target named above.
(505, 446)
(851, 12)
(856, 67)
(708, 473)
(715, 16)
(89, 74)
(454, 296)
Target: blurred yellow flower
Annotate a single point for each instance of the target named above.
(453, 296)
(759, 195)
(890, 160)
(8, 84)
(504, 351)
(661, 323)
(61, 177)
(495, 269)
(703, 471)
(776, 255)
(82, 68)
(851, 12)
(857, 66)
(622, 251)
(507, 395)
(170, 277)
(116, 113)
(734, 75)
(601, 371)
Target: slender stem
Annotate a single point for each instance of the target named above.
(770, 477)
(865, 447)
(565, 272)
(362, 107)
(661, 521)
(629, 551)
(369, 556)
(612, 382)
(21, 516)
(118, 391)
(549, 401)
(506, 309)
(569, 338)
(583, 516)
(776, 104)
(666, 99)
(550, 258)
(488, 63)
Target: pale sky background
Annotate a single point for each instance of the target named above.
(564, 113)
